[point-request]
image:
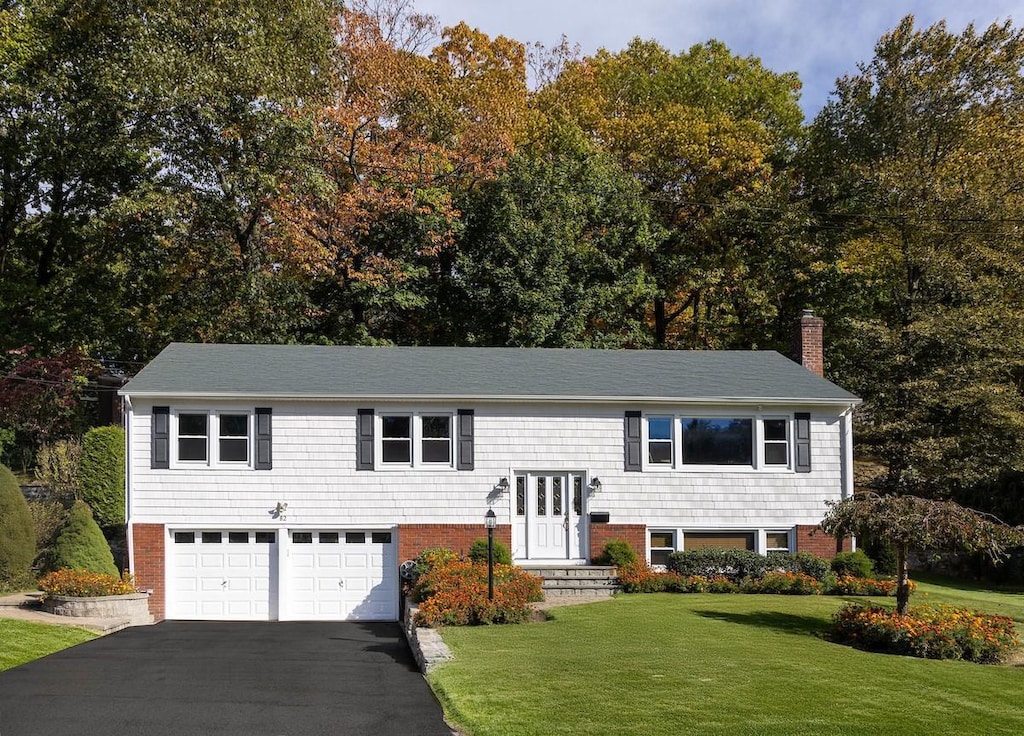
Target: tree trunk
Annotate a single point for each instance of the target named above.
(902, 580)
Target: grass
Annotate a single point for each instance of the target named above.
(718, 664)
(25, 641)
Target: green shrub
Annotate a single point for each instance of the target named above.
(81, 545)
(478, 552)
(617, 552)
(83, 584)
(17, 534)
(101, 474)
(809, 564)
(455, 594)
(853, 564)
(931, 632)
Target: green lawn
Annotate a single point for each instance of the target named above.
(718, 664)
(24, 641)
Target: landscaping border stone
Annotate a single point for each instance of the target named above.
(134, 607)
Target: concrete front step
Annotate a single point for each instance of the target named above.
(575, 580)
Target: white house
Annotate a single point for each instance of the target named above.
(290, 482)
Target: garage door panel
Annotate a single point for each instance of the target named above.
(224, 581)
(348, 577)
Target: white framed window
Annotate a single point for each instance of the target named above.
(221, 438)
(663, 543)
(775, 441)
(695, 441)
(659, 440)
(415, 439)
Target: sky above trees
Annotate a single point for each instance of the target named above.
(819, 39)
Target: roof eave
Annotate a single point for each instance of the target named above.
(493, 398)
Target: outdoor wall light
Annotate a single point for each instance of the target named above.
(502, 485)
(281, 510)
(595, 485)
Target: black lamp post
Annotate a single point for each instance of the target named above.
(490, 520)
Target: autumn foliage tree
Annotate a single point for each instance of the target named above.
(403, 133)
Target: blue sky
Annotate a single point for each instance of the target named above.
(819, 39)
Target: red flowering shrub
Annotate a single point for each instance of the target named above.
(454, 593)
(931, 632)
(85, 584)
(786, 583)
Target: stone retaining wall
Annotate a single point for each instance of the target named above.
(134, 607)
(427, 646)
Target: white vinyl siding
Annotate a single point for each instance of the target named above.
(315, 473)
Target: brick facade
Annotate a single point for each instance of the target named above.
(601, 534)
(808, 348)
(148, 557)
(812, 539)
(414, 538)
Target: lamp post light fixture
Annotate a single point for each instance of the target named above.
(490, 521)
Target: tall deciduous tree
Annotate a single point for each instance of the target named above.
(916, 172)
(402, 134)
(707, 134)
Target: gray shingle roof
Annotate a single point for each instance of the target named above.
(313, 371)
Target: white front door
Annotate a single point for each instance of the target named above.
(549, 516)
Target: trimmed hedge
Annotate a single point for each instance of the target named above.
(17, 533)
(101, 474)
(740, 564)
(81, 545)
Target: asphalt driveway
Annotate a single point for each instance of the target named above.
(225, 678)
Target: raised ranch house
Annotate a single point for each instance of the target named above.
(290, 482)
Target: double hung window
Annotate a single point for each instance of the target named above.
(212, 438)
(416, 439)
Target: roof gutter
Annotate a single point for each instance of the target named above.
(848, 402)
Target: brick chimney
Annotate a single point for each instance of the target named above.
(807, 343)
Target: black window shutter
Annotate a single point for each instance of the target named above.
(160, 444)
(465, 438)
(364, 439)
(634, 442)
(264, 440)
(803, 442)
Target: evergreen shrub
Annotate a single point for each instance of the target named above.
(101, 474)
(17, 534)
(81, 545)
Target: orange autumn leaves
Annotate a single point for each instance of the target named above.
(404, 134)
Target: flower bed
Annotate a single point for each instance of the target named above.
(453, 592)
(94, 595)
(932, 632)
(639, 577)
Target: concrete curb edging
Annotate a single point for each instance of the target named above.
(427, 646)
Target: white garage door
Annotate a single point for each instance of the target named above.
(223, 575)
(340, 575)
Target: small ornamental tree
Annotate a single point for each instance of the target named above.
(81, 545)
(17, 531)
(101, 474)
(922, 526)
